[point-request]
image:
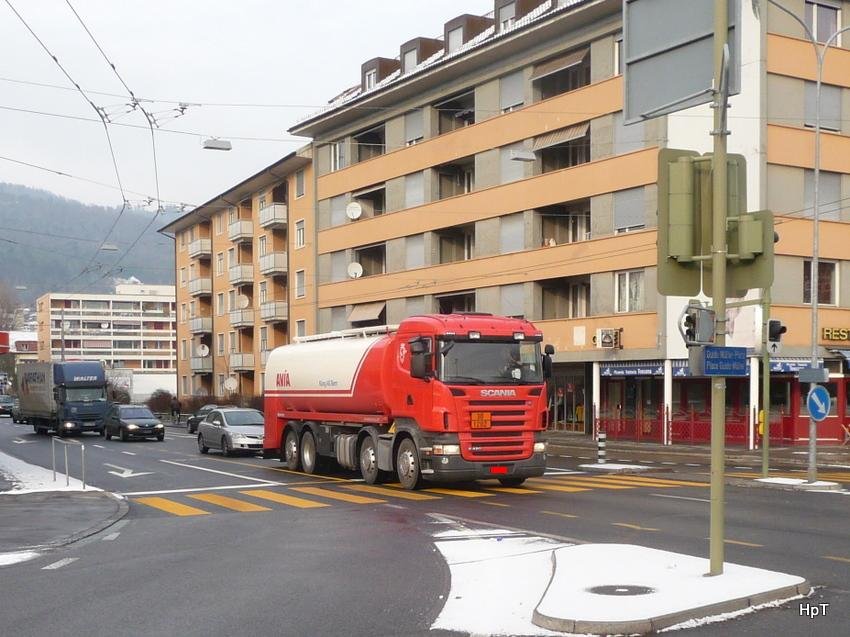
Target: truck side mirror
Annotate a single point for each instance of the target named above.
(420, 358)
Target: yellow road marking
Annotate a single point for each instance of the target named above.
(334, 495)
(517, 490)
(460, 493)
(740, 543)
(593, 483)
(301, 503)
(548, 486)
(661, 481)
(404, 495)
(228, 502)
(562, 515)
(495, 504)
(633, 526)
(170, 506)
(836, 558)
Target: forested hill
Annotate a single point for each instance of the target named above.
(46, 240)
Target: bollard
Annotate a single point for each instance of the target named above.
(600, 447)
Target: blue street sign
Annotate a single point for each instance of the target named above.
(725, 361)
(818, 403)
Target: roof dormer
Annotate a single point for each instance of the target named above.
(375, 71)
(507, 12)
(462, 29)
(416, 51)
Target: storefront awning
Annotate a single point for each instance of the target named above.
(366, 312)
(790, 365)
(845, 353)
(560, 136)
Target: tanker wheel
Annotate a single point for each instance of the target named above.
(407, 465)
(309, 459)
(291, 453)
(369, 462)
(511, 482)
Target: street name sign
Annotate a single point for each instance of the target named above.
(725, 361)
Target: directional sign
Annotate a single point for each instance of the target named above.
(774, 348)
(124, 472)
(818, 402)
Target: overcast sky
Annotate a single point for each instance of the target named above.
(295, 54)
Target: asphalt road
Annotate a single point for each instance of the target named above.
(217, 546)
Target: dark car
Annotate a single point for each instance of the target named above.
(6, 403)
(132, 421)
(198, 416)
(231, 430)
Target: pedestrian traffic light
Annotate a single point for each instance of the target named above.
(697, 325)
(775, 330)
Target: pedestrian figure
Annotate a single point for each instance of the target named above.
(175, 410)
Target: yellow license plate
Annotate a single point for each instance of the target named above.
(480, 420)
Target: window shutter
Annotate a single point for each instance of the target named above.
(413, 125)
(629, 209)
(511, 90)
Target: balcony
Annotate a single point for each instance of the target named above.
(242, 362)
(200, 325)
(241, 274)
(200, 249)
(274, 311)
(274, 216)
(201, 365)
(242, 318)
(240, 231)
(201, 286)
(273, 264)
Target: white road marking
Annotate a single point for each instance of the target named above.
(691, 464)
(60, 563)
(111, 537)
(199, 489)
(124, 472)
(99, 446)
(224, 473)
(742, 468)
(20, 441)
(678, 497)
(555, 471)
(129, 453)
(669, 463)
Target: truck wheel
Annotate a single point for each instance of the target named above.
(309, 459)
(407, 465)
(511, 482)
(201, 446)
(291, 453)
(369, 462)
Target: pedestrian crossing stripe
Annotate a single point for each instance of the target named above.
(171, 506)
(228, 503)
(516, 490)
(595, 483)
(460, 493)
(659, 482)
(391, 493)
(282, 498)
(547, 485)
(335, 495)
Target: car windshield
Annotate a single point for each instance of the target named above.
(244, 418)
(85, 394)
(6, 399)
(489, 362)
(136, 412)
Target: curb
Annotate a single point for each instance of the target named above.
(121, 509)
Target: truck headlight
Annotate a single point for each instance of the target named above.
(445, 450)
(539, 447)
(69, 425)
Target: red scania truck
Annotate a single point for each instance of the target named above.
(438, 398)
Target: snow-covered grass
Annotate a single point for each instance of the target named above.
(7, 559)
(30, 478)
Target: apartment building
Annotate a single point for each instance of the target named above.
(234, 257)
(133, 329)
(490, 170)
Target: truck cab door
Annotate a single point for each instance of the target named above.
(417, 374)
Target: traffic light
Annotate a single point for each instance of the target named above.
(775, 330)
(697, 325)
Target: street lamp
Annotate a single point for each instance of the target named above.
(821, 50)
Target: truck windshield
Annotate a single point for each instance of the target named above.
(489, 362)
(85, 394)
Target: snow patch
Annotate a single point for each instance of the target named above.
(7, 559)
(30, 478)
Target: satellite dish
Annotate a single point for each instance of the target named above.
(353, 210)
(202, 350)
(104, 326)
(355, 270)
(231, 384)
(242, 301)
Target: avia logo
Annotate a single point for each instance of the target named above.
(495, 393)
(282, 379)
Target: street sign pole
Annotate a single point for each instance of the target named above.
(765, 401)
(718, 287)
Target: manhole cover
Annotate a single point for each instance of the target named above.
(621, 589)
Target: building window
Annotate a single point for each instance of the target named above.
(629, 210)
(630, 291)
(408, 61)
(452, 303)
(371, 78)
(567, 298)
(414, 128)
(219, 342)
(261, 245)
(231, 300)
(219, 264)
(299, 234)
(511, 92)
(182, 277)
(562, 74)
(183, 350)
(232, 336)
(231, 215)
(511, 233)
(184, 381)
(564, 148)
(300, 327)
(414, 251)
(456, 244)
(184, 313)
(454, 39)
(507, 16)
(457, 178)
(192, 309)
(414, 190)
(263, 291)
(264, 339)
(220, 391)
(299, 183)
(826, 282)
(370, 143)
(300, 291)
(219, 304)
(456, 112)
(219, 222)
(337, 150)
(183, 238)
(618, 55)
(372, 259)
(830, 106)
(565, 223)
(830, 201)
(822, 20)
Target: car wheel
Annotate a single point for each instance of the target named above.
(160, 437)
(201, 446)
(369, 462)
(124, 435)
(100, 432)
(407, 465)
(225, 447)
(291, 453)
(107, 433)
(511, 482)
(309, 460)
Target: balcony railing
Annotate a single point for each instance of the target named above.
(200, 325)
(202, 286)
(241, 230)
(242, 362)
(240, 274)
(201, 365)
(242, 318)
(274, 311)
(273, 263)
(274, 216)
(200, 249)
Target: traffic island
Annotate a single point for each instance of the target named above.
(627, 589)
(613, 467)
(799, 484)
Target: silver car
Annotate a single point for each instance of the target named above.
(231, 430)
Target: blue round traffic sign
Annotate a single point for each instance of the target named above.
(818, 403)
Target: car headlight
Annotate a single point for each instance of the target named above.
(132, 427)
(69, 425)
(159, 425)
(445, 450)
(539, 447)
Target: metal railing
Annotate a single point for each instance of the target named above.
(65, 444)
